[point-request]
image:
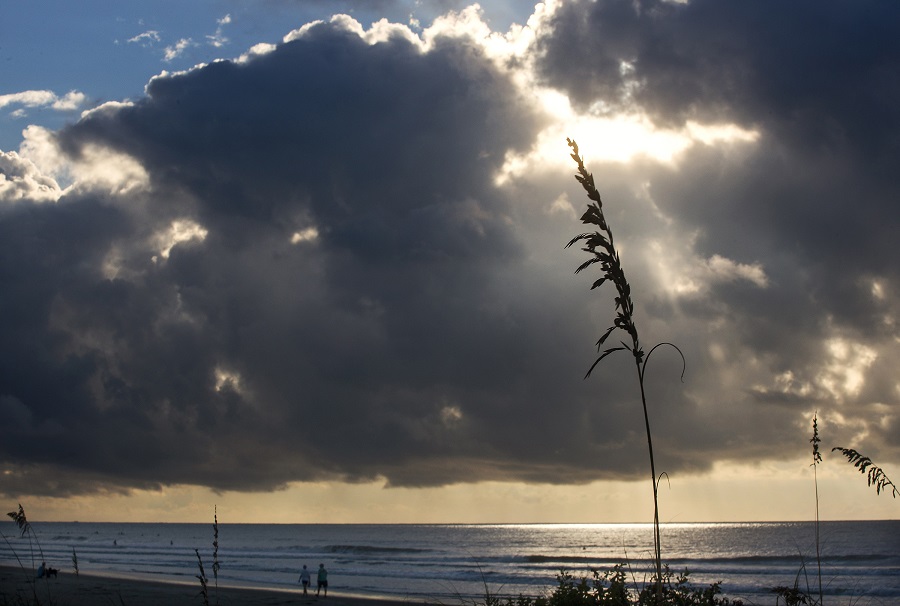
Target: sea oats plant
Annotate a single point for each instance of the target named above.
(875, 475)
(215, 566)
(18, 516)
(24, 525)
(204, 582)
(601, 248)
(817, 458)
(12, 550)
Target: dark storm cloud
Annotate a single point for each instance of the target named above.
(817, 79)
(808, 66)
(348, 295)
(383, 347)
(813, 201)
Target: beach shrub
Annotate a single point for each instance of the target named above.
(601, 248)
(611, 588)
(792, 596)
(677, 590)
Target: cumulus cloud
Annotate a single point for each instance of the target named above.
(43, 98)
(176, 50)
(342, 256)
(21, 180)
(147, 38)
(94, 168)
(219, 39)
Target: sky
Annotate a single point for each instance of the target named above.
(305, 260)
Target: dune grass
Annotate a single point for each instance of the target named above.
(874, 474)
(817, 459)
(21, 520)
(601, 249)
(795, 595)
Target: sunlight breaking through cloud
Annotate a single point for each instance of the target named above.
(451, 415)
(309, 234)
(844, 374)
(683, 274)
(20, 179)
(227, 380)
(621, 138)
(97, 167)
(182, 230)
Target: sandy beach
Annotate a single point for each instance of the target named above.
(18, 587)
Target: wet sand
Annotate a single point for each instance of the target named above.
(19, 587)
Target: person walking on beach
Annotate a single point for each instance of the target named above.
(323, 580)
(304, 578)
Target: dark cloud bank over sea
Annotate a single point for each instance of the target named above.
(321, 279)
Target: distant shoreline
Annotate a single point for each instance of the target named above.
(18, 585)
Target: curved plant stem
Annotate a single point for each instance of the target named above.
(657, 547)
(599, 244)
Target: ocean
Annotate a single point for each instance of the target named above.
(457, 563)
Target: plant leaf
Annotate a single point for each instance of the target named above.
(874, 474)
(583, 236)
(605, 336)
(603, 355)
(586, 264)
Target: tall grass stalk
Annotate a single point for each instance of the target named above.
(817, 458)
(24, 525)
(215, 566)
(13, 550)
(21, 520)
(599, 244)
(204, 582)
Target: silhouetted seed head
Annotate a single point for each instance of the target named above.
(599, 244)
